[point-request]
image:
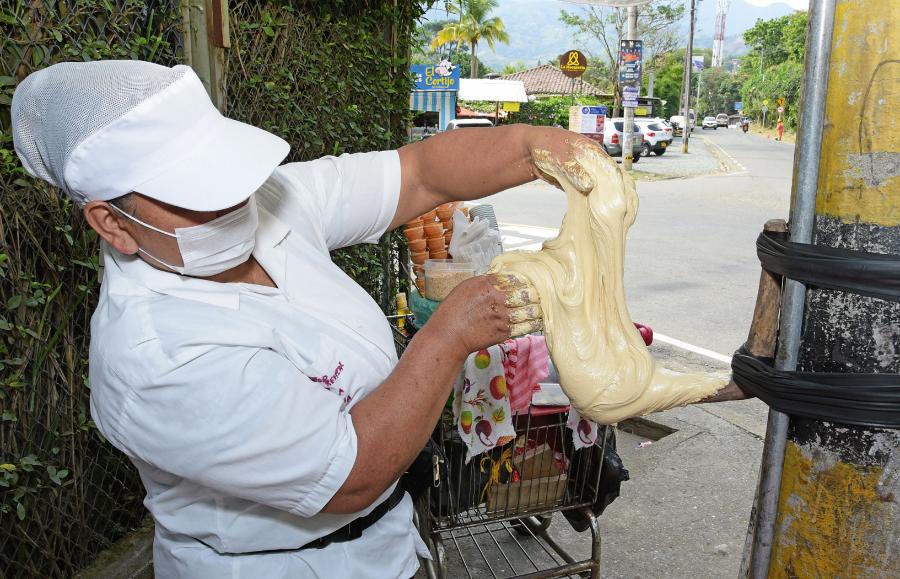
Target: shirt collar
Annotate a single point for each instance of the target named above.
(123, 272)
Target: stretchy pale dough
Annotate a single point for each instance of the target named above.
(604, 366)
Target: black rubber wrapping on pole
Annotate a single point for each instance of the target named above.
(861, 399)
(870, 274)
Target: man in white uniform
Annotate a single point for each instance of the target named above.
(252, 383)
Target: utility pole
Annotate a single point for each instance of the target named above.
(686, 89)
(628, 129)
(699, 82)
(839, 505)
(827, 502)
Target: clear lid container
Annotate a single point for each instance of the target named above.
(442, 275)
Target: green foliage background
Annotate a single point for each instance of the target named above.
(774, 67)
(327, 76)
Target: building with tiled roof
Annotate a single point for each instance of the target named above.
(547, 80)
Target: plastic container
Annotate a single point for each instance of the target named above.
(442, 275)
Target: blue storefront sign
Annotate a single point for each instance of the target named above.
(739, 106)
(441, 76)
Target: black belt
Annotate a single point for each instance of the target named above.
(354, 529)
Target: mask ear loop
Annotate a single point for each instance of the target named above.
(173, 268)
(147, 225)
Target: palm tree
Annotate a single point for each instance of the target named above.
(474, 25)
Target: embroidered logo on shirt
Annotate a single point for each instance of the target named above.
(328, 383)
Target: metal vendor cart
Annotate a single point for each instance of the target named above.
(489, 518)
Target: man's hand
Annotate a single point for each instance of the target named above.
(486, 310)
(555, 150)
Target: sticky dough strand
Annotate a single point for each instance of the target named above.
(604, 366)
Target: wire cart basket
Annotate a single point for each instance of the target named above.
(490, 517)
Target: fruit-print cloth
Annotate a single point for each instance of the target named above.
(481, 403)
(584, 432)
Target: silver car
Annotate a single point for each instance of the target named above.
(613, 138)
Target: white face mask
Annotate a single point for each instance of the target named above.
(213, 247)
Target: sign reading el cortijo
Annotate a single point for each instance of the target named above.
(442, 76)
(573, 63)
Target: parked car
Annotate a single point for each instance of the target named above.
(710, 123)
(468, 123)
(614, 137)
(657, 137)
(722, 120)
(678, 124)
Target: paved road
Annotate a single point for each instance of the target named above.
(691, 268)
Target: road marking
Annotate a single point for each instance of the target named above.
(692, 348)
(742, 170)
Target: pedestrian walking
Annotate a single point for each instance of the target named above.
(780, 129)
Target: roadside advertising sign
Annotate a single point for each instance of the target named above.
(739, 106)
(698, 63)
(511, 107)
(441, 76)
(587, 120)
(631, 63)
(573, 63)
(630, 96)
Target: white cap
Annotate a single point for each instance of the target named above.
(100, 130)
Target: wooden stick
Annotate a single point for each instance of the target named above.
(763, 336)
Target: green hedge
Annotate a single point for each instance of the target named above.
(327, 76)
(553, 110)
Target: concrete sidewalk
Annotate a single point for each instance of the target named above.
(702, 160)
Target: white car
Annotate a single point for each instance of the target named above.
(657, 136)
(710, 123)
(468, 123)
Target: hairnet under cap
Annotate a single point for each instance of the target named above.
(99, 130)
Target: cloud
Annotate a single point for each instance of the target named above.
(795, 4)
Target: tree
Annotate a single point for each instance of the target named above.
(667, 81)
(657, 28)
(719, 90)
(474, 25)
(773, 68)
(514, 67)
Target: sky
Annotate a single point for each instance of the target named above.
(795, 4)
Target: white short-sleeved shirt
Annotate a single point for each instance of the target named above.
(233, 400)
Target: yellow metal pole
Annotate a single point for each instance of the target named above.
(838, 511)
